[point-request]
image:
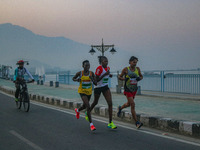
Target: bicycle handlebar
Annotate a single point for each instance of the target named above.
(24, 81)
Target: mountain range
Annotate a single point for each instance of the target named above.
(62, 53)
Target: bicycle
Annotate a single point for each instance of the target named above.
(23, 95)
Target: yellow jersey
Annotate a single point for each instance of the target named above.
(85, 86)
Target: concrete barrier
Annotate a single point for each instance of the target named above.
(77, 104)
(51, 83)
(165, 124)
(38, 97)
(33, 97)
(57, 102)
(64, 103)
(47, 100)
(56, 84)
(52, 100)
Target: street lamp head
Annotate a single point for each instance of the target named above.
(92, 51)
(113, 51)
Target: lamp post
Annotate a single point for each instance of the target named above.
(102, 48)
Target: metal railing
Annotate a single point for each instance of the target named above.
(172, 82)
(162, 81)
(182, 83)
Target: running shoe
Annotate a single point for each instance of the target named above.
(86, 116)
(92, 128)
(139, 124)
(77, 113)
(119, 111)
(112, 125)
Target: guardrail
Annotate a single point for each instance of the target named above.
(163, 81)
(179, 83)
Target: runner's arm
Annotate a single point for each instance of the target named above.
(99, 78)
(75, 78)
(140, 75)
(123, 73)
(98, 72)
(110, 75)
(93, 78)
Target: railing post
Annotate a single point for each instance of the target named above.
(56, 77)
(162, 80)
(44, 77)
(68, 77)
(64, 78)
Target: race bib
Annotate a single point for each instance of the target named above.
(86, 85)
(133, 81)
(105, 80)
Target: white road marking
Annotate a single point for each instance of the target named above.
(126, 127)
(25, 140)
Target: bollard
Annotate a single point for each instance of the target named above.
(51, 83)
(38, 82)
(118, 89)
(41, 82)
(56, 84)
(139, 90)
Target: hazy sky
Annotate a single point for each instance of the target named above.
(164, 33)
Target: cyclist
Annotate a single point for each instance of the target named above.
(19, 76)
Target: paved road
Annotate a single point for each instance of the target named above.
(50, 128)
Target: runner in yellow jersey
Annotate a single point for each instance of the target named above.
(86, 78)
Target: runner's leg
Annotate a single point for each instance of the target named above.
(108, 97)
(125, 105)
(95, 102)
(132, 104)
(82, 107)
(87, 105)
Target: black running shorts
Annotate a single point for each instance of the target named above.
(88, 96)
(101, 89)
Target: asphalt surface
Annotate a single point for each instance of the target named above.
(50, 128)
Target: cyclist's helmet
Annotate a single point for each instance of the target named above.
(20, 62)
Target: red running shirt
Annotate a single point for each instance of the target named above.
(99, 70)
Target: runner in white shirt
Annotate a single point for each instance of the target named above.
(102, 76)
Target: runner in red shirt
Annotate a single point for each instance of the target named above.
(102, 76)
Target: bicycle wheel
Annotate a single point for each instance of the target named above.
(19, 102)
(26, 102)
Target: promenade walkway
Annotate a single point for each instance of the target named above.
(172, 105)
